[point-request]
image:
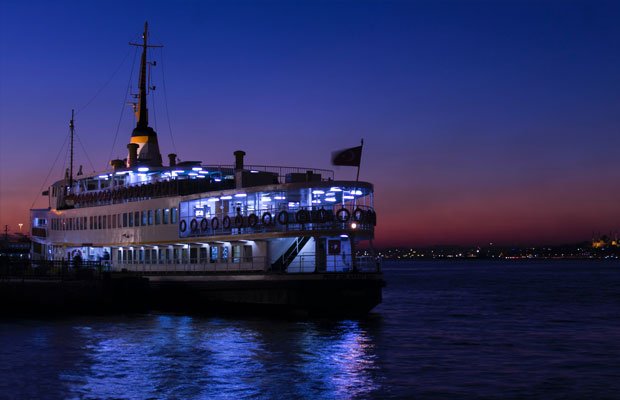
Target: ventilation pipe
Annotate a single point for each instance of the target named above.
(133, 155)
(116, 164)
(239, 154)
(173, 159)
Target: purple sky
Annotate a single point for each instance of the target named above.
(485, 121)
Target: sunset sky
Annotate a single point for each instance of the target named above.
(483, 121)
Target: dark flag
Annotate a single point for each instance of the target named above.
(351, 157)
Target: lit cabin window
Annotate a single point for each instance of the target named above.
(166, 216)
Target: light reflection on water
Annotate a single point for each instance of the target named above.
(166, 356)
(445, 331)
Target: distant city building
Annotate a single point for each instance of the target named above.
(605, 241)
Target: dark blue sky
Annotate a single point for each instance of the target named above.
(483, 120)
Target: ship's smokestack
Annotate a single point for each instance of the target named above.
(239, 154)
(133, 155)
(173, 159)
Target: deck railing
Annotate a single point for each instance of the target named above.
(52, 269)
(303, 263)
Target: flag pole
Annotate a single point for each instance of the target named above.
(357, 178)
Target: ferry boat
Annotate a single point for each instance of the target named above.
(208, 236)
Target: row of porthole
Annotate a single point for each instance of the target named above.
(301, 217)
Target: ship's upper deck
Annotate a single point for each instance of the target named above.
(131, 184)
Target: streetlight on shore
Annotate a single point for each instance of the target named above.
(20, 227)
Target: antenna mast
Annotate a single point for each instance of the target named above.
(71, 128)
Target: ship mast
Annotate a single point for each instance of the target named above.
(143, 116)
(144, 147)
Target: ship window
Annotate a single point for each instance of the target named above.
(166, 216)
(193, 255)
(154, 256)
(141, 256)
(144, 218)
(173, 215)
(224, 253)
(158, 216)
(136, 218)
(105, 222)
(147, 257)
(113, 221)
(130, 219)
(99, 224)
(124, 220)
(203, 254)
(247, 253)
(236, 253)
(119, 256)
(150, 217)
(110, 221)
(213, 251)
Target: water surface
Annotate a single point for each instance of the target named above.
(445, 330)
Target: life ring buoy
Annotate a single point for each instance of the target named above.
(267, 219)
(215, 223)
(302, 216)
(183, 225)
(358, 215)
(238, 221)
(252, 220)
(204, 224)
(226, 222)
(283, 218)
(343, 215)
(193, 225)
